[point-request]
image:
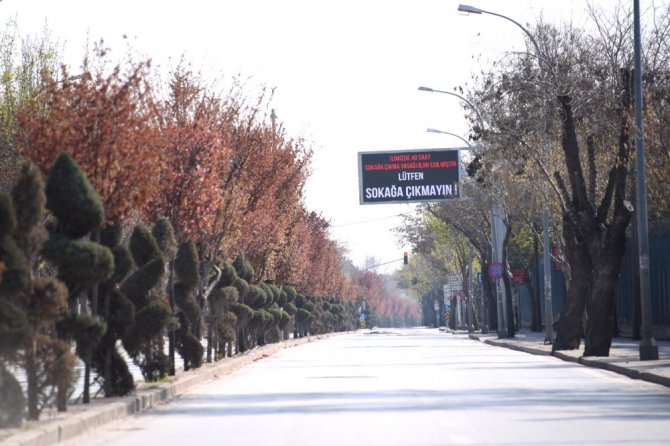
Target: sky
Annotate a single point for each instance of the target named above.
(345, 72)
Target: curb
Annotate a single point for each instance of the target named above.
(604, 364)
(631, 373)
(83, 418)
(521, 348)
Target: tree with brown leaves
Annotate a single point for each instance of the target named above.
(107, 123)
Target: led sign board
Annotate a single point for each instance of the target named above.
(408, 176)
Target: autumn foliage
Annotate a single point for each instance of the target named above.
(387, 308)
(254, 265)
(107, 124)
(193, 133)
(211, 163)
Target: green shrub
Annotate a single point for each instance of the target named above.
(143, 246)
(12, 401)
(14, 329)
(190, 349)
(72, 199)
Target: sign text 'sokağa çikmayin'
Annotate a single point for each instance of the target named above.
(442, 190)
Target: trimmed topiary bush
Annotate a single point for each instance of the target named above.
(144, 341)
(187, 277)
(12, 401)
(30, 304)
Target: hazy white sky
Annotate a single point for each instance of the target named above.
(346, 72)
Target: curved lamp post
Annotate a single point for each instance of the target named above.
(548, 307)
(450, 134)
(470, 104)
(495, 214)
(468, 307)
(472, 10)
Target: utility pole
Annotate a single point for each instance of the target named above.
(498, 231)
(548, 307)
(648, 345)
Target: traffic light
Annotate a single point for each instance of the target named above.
(405, 259)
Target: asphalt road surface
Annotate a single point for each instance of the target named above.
(405, 387)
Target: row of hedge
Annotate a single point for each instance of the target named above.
(66, 281)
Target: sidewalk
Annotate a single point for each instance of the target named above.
(55, 427)
(624, 355)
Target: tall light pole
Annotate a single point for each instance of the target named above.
(648, 346)
(498, 230)
(468, 305)
(548, 306)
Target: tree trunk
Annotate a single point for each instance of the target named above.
(62, 394)
(570, 328)
(31, 377)
(94, 292)
(209, 343)
(241, 341)
(511, 326)
(87, 377)
(600, 308)
(61, 399)
(600, 228)
(489, 300)
(171, 331)
(107, 346)
(600, 305)
(528, 282)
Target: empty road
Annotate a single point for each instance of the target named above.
(405, 387)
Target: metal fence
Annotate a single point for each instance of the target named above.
(659, 258)
(659, 272)
(558, 291)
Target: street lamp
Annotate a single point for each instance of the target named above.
(468, 307)
(470, 104)
(497, 230)
(648, 346)
(450, 134)
(472, 10)
(548, 307)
